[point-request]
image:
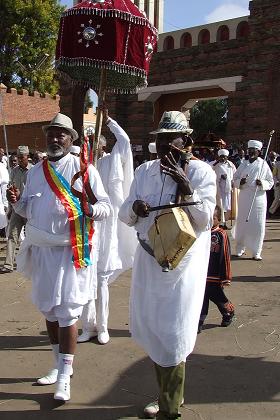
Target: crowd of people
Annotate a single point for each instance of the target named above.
(80, 235)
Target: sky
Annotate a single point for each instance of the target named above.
(188, 13)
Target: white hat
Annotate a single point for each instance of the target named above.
(256, 144)
(75, 149)
(152, 148)
(223, 152)
(173, 122)
(62, 121)
(23, 150)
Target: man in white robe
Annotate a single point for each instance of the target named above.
(224, 170)
(117, 243)
(253, 177)
(59, 289)
(165, 306)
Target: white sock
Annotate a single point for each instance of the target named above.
(55, 348)
(65, 364)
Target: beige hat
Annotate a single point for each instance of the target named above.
(173, 122)
(23, 150)
(256, 144)
(62, 121)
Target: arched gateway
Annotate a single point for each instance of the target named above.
(240, 61)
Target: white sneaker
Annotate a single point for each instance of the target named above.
(152, 409)
(103, 337)
(257, 257)
(62, 392)
(86, 336)
(49, 379)
(239, 254)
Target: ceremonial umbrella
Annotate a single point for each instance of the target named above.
(105, 39)
(105, 45)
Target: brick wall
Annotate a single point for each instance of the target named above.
(24, 116)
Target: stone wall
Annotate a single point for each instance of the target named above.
(24, 116)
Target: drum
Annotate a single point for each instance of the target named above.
(170, 237)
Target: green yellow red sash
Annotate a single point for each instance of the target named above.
(81, 226)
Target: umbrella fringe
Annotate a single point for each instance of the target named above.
(92, 85)
(111, 13)
(109, 65)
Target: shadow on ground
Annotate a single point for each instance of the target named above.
(210, 380)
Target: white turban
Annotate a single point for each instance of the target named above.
(223, 152)
(152, 148)
(75, 149)
(256, 144)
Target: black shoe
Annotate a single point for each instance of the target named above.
(227, 319)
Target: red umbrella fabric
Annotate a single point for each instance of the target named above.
(113, 35)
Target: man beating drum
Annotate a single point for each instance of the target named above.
(163, 303)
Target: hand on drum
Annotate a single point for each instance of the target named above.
(170, 167)
(141, 208)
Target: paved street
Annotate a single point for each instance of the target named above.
(233, 374)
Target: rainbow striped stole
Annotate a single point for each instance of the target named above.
(81, 226)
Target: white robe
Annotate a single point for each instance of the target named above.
(251, 234)
(4, 180)
(224, 186)
(165, 307)
(55, 281)
(116, 241)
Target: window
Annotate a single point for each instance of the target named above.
(204, 37)
(186, 40)
(168, 43)
(243, 30)
(223, 33)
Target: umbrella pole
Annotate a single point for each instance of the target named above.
(99, 115)
(4, 130)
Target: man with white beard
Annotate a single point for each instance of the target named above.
(56, 253)
(253, 175)
(224, 170)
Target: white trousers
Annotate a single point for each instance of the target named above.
(95, 314)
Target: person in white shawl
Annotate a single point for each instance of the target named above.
(117, 244)
(224, 170)
(165, 306)
(59, 289)
(252, 176)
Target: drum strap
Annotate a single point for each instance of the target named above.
(145, 246)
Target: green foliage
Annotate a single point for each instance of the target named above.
(209, 117)
(28, 32)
